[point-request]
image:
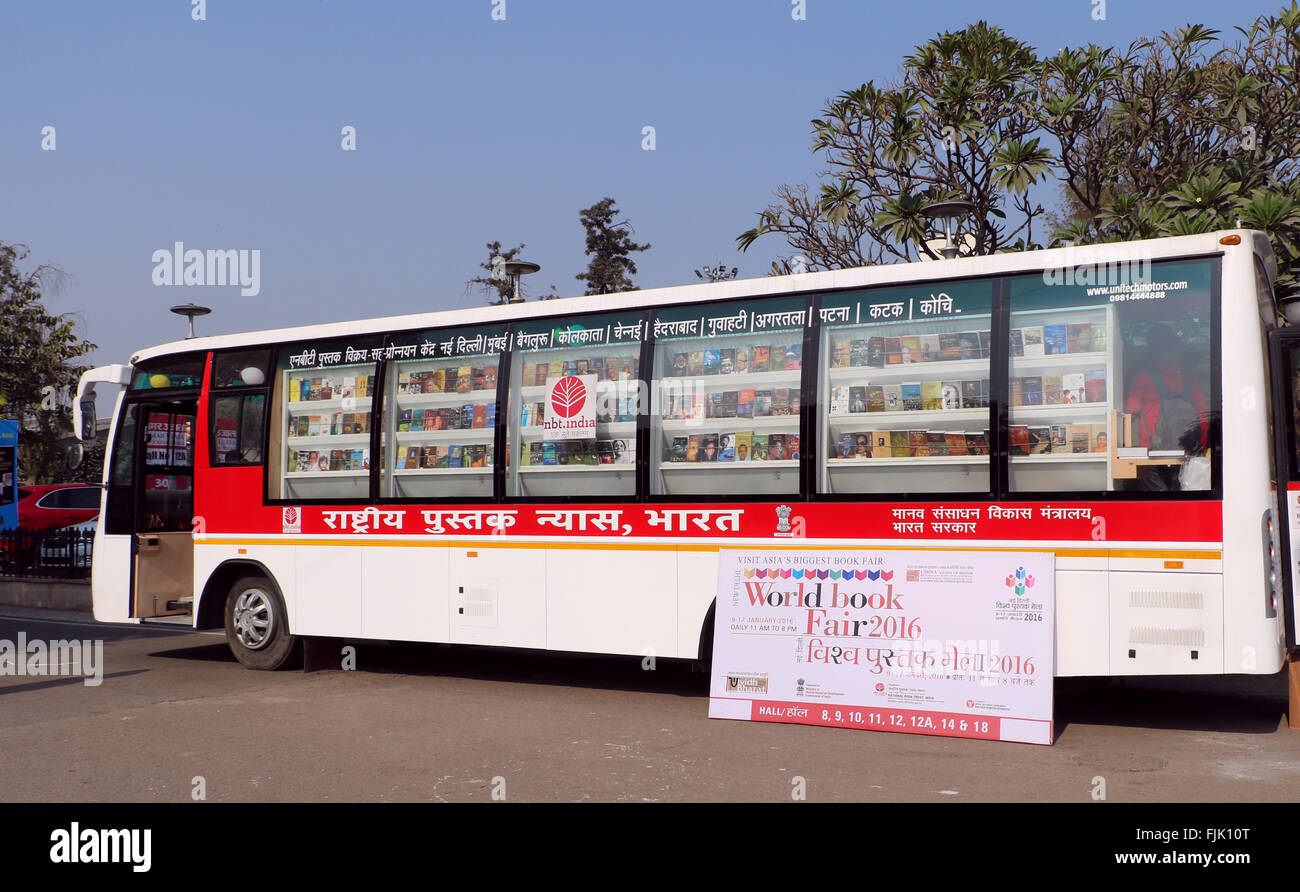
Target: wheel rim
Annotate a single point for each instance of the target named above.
(254, 619)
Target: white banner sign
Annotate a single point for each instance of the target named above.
(956, 644)
(570, 408)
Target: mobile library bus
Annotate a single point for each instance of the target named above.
(562, 475)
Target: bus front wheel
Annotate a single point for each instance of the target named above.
(257, 625)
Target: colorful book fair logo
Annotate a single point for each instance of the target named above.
(1020, 582)
(792, 573)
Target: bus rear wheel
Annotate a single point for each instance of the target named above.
(257, 625)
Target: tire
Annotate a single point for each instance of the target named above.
(257, 625)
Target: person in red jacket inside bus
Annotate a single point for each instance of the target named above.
(1168, 404)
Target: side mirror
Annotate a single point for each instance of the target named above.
(88, 419)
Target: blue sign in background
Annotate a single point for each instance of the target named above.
(8, 475)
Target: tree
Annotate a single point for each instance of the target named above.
(36, 350)
(498, 288)
(609, 247)
(959, 124)
(1177, 134)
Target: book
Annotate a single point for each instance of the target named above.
(480, 415)
(900, 444)
(949, 346)
(893, 351)
(1072, 388)
(1099, 337)
(1098, 438)
(950, 394)
(762, 403)
(969, 344)
(1017, 344)
(1031, 390)
(1080, 437)
(758, 447)
(744, 404)
(1051, 390)
(879, 444)
(956, 443)
(776, 447)
(843, 447)
(1054, 339)
(1040, 439)
(985, 340)
(794, 357)
(776, 358)
(693, 444)
(744, 444)
(1034, 343)
(911, 392)
(1078, 337)
(1060, 434)
(677, 452)
(931, 396)
(875, 398)
(893, 397)
(727, 361)
(781, 401)
(1018, 440)
(910, 348)
(929, 348)
(839, 399)
(742, 359)
(857, 399)
(1094, 386)
(858, 352)
(792, 446)
(876, 352)
(970, 394)
(710, 362)
(936, 442)
(1017, 389)
(761, 356)
(977, 443)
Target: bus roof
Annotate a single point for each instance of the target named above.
(830, 280)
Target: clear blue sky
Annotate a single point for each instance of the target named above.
(225, 133)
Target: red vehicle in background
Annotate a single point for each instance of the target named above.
(52, 506)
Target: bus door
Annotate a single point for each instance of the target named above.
(163, 545)
(1284, 361)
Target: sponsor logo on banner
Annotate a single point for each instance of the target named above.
(747, 684)
(783, 521)
(290, 520)
(571, 408)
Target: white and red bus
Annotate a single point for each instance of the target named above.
(562, 475)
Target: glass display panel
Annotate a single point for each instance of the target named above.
(168, 489)
(904, 389)
(245, 368)
(323, 403)
(442, 390)
(727, 398)
(1097, 356)
(169, 371)
(237, 427)
(575, 393)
